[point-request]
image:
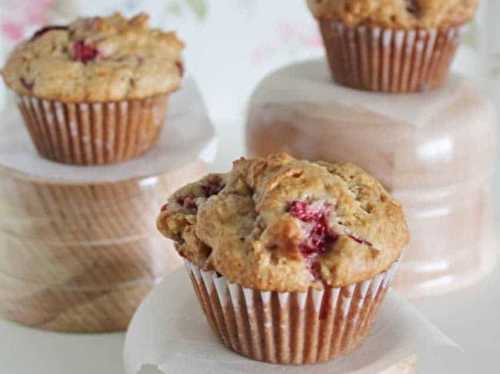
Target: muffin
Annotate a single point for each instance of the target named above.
(95, 91)
(391, 45)
(290, 259)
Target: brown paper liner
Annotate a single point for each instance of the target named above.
(80, 257)
(93, 133)
(385, 60)
(289, 328)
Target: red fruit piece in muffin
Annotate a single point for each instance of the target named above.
(84, 52)
(319, 237)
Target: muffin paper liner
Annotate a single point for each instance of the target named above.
(93, 133)
(386, 60)
(289, 327)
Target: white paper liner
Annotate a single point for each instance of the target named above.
(378, 59)
(169, 334)
(188, 136)
(290, 327)
(93, 133)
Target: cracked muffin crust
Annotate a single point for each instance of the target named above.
(285, 225)
(96, 59)
(406, 14)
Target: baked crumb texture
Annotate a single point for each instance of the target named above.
(405, 14)
(96, 59)
(281, 224)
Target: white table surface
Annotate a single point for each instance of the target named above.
(469, 316)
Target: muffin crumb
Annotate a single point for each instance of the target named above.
(286, 225)
(405, 14)
(96, 59)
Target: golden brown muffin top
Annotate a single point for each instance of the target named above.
(96, 59)
(398, 14)
(281, 224)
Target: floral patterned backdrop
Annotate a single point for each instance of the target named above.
(231, 44)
